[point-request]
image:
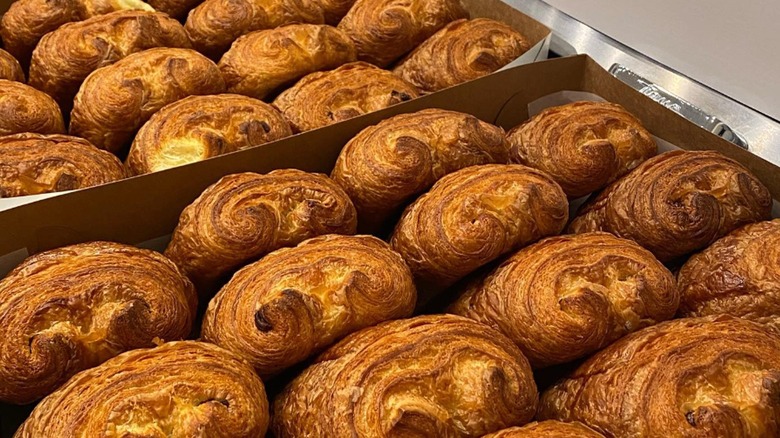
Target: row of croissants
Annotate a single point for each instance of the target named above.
(450, 326)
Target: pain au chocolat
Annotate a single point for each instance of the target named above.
(178, 389)
(71, 308)
(568, 296)
(247, 215)
(547, 429)
(693, 377)
(114, 101)
(25, 109)
(462, 51)
(263, 62)
(296, 301)
(200, 127)
(677, 203)
(323, 98)
(385, 30)
(387, 165)
(437, 375)
(66, 56)
(10, 68)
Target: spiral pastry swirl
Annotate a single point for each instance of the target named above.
(200, 127)
(473, 216)
(566, 297)
(72, 308)
(34, 163)
(677, 203)
(584, 146)
(296, 301)
(25, 109)
(179, 389)
(548, 429)
(462, 51)
(385, 30)
(387, 165)
(737, 275)
(245, 216)
(66, 56)
(324, 98)
(10, 68)
(260, 63)
(436, 375)
(114, 101)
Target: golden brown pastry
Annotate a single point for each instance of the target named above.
(10, 68)
(387, 165)
(34, 163)
(693, 377)
(737, 275)
(263, 62)
(296, 301)
(566, 297)
(431, 376)
(677, 203)
(385, 30)
(245, 216)
(114, 101)
(548, 429)
(200, 127)
(66, 56)
(215, 24)
(462, 51)
(175, 8)
(584, 146)
(335, 10)
(25, 109)
(324, 98)
(72, 308)
(473, 216)
(179, 389)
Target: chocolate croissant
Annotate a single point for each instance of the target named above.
(566, 297)
(473, 216)
(66, 56)
(462, 51)
(114, 101)
(179, 389)
(10, 68)
(263, 62)
(245, 216)
(737, 275)
(432, 376)
(71, 308)
(387, 165)
(324, 98)
(703, 377)
(677, 203)
(296, 301)
(34, 163)
(385, 30)
(200, 127)
(25, 109)
(548, 429)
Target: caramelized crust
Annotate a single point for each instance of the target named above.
(677, 203)
(584, 146)
(296, 301)
(200, 127)
(175, 8)
(245, 216)
(737, 275)
(432, 376)
(473, 216)
(569, 296)
(335, 10)
(324, 98)
(66, 56)
(33, 163)
(462, 51)
(693, 377)
(385, 30)
(263, 62)
(69, 309)
(179, 389)
(548, 429)
(10, 68)
(116, 100)
(25, 109)
(387, 165)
